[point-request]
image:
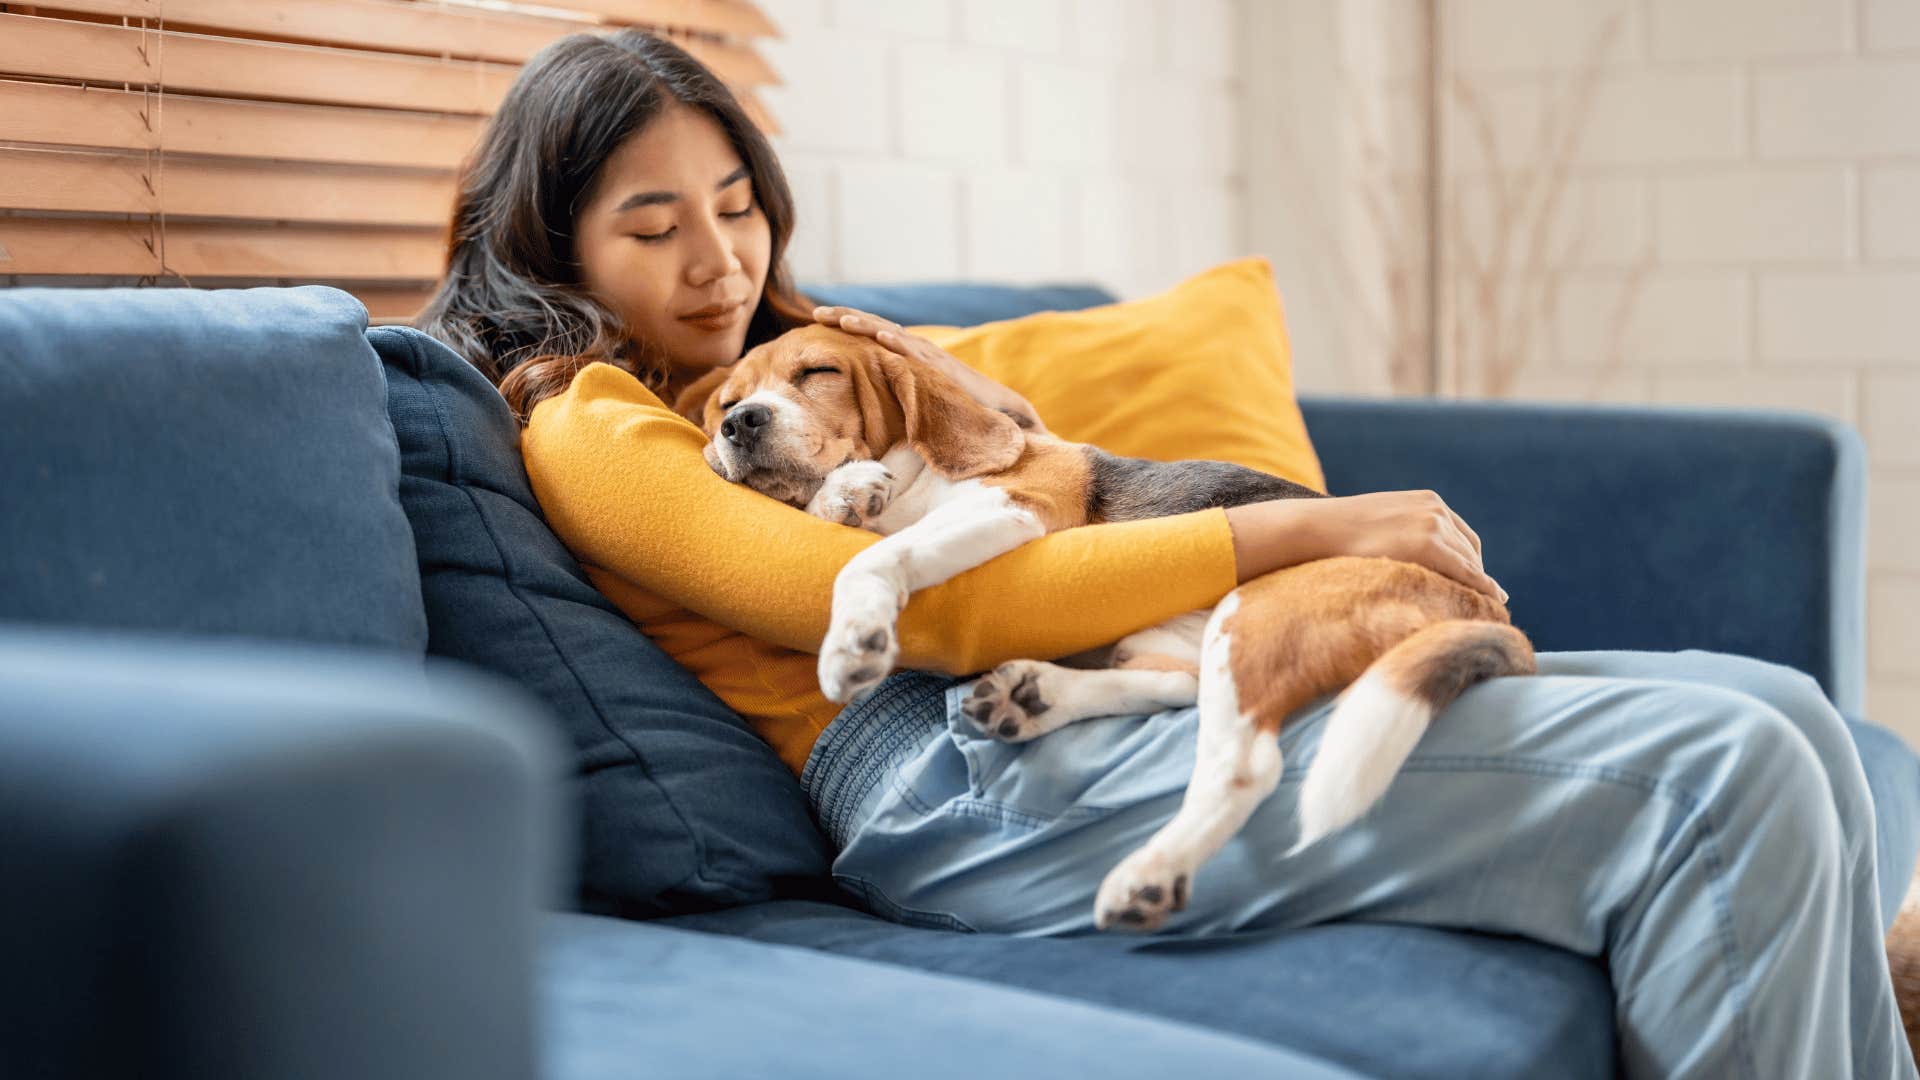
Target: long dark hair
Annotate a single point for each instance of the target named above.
(512, 301)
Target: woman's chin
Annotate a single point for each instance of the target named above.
(697, 353)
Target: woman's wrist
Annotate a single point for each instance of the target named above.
(1269, 536)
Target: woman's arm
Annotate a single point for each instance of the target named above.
(1411, 526)
(623, 483)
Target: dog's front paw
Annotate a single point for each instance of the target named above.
(856, 655)
(1007, 704)
(853, 494)
(1142, 891)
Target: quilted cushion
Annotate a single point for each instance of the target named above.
(201, 462)
(681, 806)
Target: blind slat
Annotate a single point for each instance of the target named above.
(95, 52)
(122, 120)
(433, 28)
(736, 65)
(388, 302)
(138, 183)
(712, 16)
(216, 250)
(389, 25)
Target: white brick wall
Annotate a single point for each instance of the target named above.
(1745, 215)
(1760, 161)
(1746, 177)
(1020, 140)
(1891, 26)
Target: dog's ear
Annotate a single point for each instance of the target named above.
(957, 435)
(882, 419)
(692, 402)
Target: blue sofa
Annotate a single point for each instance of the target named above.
(319, 756)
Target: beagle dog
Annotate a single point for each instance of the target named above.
(851, 432)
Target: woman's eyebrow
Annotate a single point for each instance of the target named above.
(654, 198)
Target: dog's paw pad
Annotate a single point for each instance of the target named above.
(1007, 704)
(1140, 894)
(855, 493)
(855, 659)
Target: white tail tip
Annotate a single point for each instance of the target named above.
(1369, 734)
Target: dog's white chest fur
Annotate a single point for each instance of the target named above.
(917, 490)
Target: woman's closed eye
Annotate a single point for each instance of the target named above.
(660, 237)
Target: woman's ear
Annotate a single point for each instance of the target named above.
(692, 402)
(957, 435)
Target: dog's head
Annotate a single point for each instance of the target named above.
(796, 408)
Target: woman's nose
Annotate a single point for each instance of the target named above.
(711, 256)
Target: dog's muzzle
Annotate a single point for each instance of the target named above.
(744, 426)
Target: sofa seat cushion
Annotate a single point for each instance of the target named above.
(681, 806)
(623, 999)
(1381, 1000)
(201, 462)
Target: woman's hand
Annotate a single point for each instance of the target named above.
(978, 386)
(1411, 526)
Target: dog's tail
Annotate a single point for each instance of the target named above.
(1376, 722)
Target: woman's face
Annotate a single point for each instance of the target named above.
(672, 240)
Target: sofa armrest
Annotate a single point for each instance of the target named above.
(239, 860)
(1640, 528)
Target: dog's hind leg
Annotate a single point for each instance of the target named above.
(1154, 669)
(1236, 765)
(1025, 699)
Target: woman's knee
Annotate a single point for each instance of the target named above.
(1754, 770)
(1738, 740)
(1792, 692)
(1798, 698)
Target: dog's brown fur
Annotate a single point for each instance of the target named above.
(1308, 630)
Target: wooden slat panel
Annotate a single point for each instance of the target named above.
(733, 19)
(736, 65)
(391, 303)
(210, 250)
(756, 111)
(138, 183)
(120, 120)
(57, 48)
(385, 25)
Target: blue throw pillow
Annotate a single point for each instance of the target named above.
(201, 462)
(682, 806)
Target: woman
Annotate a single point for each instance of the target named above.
(1698, 822)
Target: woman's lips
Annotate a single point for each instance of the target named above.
(715, 316)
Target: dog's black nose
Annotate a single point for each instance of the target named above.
(743, 425)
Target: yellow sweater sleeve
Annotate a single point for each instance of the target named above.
(623, 483)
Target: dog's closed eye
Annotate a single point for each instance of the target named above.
(819, 370)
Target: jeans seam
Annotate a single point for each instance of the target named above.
(872, 896)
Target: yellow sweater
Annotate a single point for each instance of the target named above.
(737, 587)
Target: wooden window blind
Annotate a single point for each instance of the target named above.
(248, 142)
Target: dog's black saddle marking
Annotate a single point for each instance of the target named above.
(1130, 489)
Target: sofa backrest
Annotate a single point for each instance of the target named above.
(201, 462)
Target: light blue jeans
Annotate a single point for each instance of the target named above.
(1698, 822)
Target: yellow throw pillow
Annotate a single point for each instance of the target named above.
(1201, 371)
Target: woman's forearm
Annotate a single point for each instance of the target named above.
(1411, 526)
